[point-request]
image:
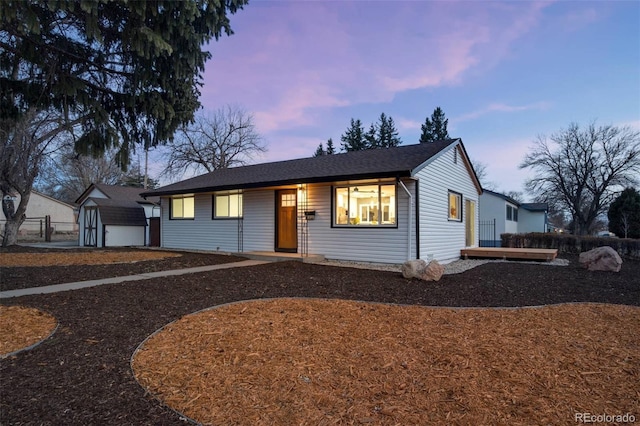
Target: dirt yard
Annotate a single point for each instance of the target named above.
(82, 373)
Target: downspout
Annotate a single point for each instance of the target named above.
(410, 219)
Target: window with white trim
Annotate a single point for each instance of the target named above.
(183, 207)
(455, 206)
(227, 205)
(365, 205)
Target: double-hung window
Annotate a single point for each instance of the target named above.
(365, 205)
(227, 206)
(183, 207)
(512, 213)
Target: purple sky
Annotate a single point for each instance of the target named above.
(503, 72)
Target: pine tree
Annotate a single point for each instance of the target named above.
(436, 128)
(387, 133)
(319, 151)
(353, 139)
(371, 137)
(624, 214)
(330, 148)
(127, 72)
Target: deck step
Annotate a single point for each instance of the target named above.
(510, 253)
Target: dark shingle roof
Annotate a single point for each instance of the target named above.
(116, 192)
(373, 163)
(504, 197)
(113, 212)
(124, 193)
(535, 207)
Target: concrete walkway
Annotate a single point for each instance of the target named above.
(116, 280)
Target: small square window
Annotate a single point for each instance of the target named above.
(455, 206)
(227, 206)
(183, 207)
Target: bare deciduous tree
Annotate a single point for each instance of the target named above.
(223, 139)
(582, 170)
(481, 172)
(23, 145)
(66, 174)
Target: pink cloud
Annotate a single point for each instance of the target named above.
(290, 61)
(500, 107)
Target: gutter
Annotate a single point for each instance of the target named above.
(410, 218)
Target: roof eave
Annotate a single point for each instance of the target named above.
(256, 185)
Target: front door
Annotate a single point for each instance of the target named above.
(470, 222)
(286, 221)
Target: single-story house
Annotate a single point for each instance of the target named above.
(381, 205)
(62, 215)
(115, 216)
(501, 214)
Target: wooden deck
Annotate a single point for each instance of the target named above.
(510, 253)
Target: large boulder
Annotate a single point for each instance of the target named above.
(422, 270)
(433, 271)
(601, 259)
(413, 268)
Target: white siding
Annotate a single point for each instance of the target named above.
(384, 245)
(119, 236)
(529, 221)
(200, 233)
(439, 237)
(510, 226)
(492, 207)
(259, 220)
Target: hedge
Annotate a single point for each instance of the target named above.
(573, 244)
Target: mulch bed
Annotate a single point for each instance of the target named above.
(23, 328)
(17, 277)
(319, 362)
(82, 374)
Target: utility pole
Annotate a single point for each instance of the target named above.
(146, 166)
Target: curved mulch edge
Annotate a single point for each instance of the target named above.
(36, 344)
(188, 419)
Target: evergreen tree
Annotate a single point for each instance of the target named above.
(330, 148)
(371, 137)
(353, 139)
(128, 72)
(435, 129)
(319, 151)
(624, 214)
(387, 133)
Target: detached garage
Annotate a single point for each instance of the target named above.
(116, 221)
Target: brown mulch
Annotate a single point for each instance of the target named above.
(89, 264)
(310, 361)
(92, 257)
(23, 327)
(82, 374)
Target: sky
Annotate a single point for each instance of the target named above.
(504, 72)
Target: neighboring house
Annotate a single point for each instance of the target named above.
(501, 214)
(63, 215)
(112, 216)
(381, 205)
